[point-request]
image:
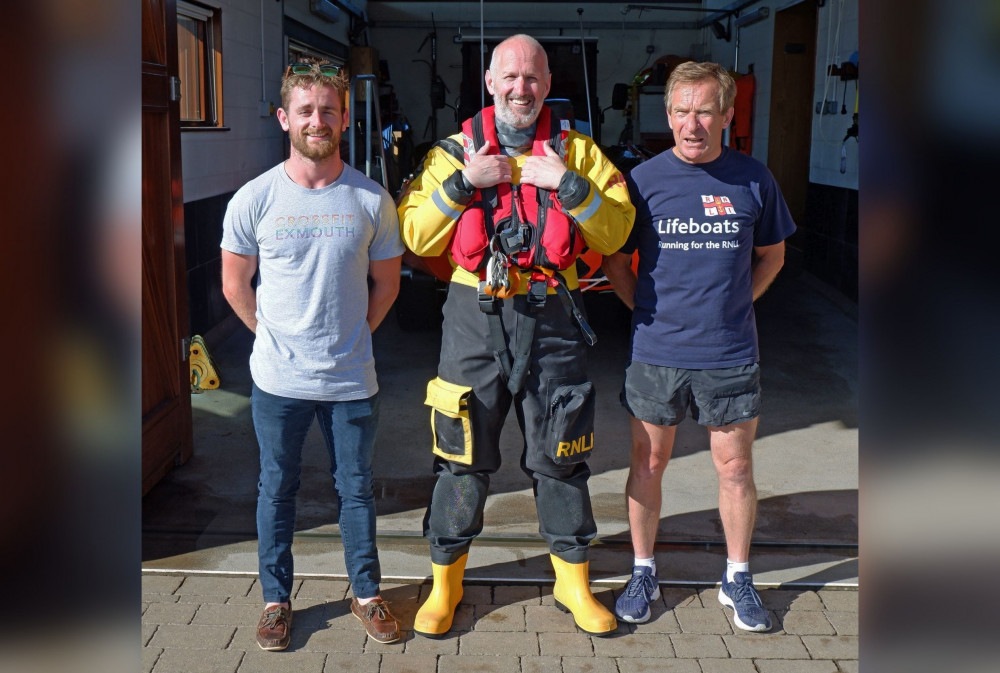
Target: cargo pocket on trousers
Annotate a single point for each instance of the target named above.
(570, 423)
(737, 408)
(451, 424)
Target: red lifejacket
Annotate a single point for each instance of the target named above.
(545, 235)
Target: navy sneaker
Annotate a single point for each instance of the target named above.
(633, 605)
(740, 595)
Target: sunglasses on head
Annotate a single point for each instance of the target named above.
(306, 68)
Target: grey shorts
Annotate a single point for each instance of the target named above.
(716, 397)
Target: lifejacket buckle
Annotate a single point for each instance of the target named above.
(537, 292)
(487, 302)
(525, 234)
(511, 239)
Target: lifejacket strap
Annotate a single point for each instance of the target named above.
(478, 136)
(501, 354)
(522, 359)
(574, 313)
(488, 304)
(538, 289)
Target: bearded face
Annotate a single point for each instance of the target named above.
(519, 80)
(315, 142)
(519, 111)
(315, 120)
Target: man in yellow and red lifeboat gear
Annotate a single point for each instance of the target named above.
(471, 396)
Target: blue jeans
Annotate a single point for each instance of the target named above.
(348, 427)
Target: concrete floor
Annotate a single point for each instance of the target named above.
(201, 516)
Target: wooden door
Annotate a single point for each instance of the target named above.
(166, 392)
(792, 76)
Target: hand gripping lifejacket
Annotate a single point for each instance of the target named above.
(521, 226)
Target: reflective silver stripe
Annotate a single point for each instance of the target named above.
(591, 209)
(444, 207)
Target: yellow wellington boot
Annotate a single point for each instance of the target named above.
(434, 617)
(572, 594)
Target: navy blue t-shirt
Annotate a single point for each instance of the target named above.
(695, 229)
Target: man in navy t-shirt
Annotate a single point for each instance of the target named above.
(710, 228)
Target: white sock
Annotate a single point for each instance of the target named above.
(366, 601)
(732, 567)
(648, 562)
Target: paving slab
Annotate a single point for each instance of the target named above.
(695, 645)
(634, 645)
(702, 620)
(807, 623)
(409, 663)
(765, 646)
(845, 623)
(644, 665)
(795, 666)
(832, 647)
(345, 663)
(478, 664)
(499, 618)
(727, 666)
(192, 637)
(588, 665)
(497, 643)
(175, 660)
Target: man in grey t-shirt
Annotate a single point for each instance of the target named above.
(313, 230)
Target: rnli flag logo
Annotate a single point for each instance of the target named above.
(717, 205)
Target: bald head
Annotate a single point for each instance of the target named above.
(519, 80)
(519, 42)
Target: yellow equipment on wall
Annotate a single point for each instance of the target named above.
(203, 374)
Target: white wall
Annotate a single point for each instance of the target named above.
(216, 162)
(751, 45)
(756, 47)
(828, 130)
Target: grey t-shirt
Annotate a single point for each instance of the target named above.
(313, 248)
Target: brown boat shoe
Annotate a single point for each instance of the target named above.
(274, 630)
(378, 621)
